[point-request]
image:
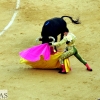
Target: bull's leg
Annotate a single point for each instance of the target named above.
(55, 46)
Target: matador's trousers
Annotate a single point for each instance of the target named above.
(72, 50)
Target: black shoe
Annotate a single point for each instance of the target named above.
(89, 69)
(60, 71)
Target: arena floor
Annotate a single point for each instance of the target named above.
(21, 23)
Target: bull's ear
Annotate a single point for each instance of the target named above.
(40, 39)
(50, 40)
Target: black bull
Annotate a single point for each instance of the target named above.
(55, 26)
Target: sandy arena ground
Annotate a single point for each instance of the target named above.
(26, 83)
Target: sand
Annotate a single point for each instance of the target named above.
(25, 83)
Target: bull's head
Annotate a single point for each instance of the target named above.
(46, 39)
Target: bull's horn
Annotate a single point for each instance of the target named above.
(37, 39)
(50, 37)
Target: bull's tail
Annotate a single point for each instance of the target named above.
(73, 21)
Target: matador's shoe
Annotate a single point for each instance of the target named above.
(62, 70)
(89, 69)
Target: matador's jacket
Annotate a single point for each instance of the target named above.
(69, 40)
(70, 49)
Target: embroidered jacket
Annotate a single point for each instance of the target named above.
(69, 40)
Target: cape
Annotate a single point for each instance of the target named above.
(34, 53)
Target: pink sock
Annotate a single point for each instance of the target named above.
(63, 68)
(88, 66)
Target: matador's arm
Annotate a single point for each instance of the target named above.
(64, 40)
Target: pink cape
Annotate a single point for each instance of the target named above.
(33, 54)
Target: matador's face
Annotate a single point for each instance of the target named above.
(65, 33)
